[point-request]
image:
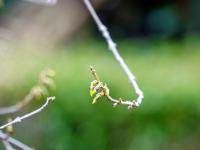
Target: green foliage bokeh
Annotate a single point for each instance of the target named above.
(168, 73)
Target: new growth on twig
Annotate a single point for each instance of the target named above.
(96, 84)
(99, 89)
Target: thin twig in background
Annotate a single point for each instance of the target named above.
(113, 47)
(18, 106)
(19, 119)
(38, 91)
(43, 2)
(45, 81)
(13, 141)
(7, 145)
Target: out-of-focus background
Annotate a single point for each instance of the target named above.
(159, 40)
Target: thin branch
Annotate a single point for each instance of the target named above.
(13, 141)
(19, 119)
(45, 80)
(43, 2)
(113, 47)
(18, 106)
(7, 145)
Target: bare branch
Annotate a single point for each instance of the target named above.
(16, 107)
(113, 47)
(43, 2)
(7, 145)
(13, 141)
(19, 119)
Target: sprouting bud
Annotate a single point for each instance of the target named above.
(98, 95)
(92, 92)
(97, 88)
(93, 86)
(45, 82)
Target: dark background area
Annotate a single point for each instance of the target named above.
(168, 19)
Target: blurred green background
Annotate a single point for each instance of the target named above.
(166, 67)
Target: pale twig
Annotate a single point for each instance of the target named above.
(113, 47)
(45, 80)
(7, 145)
(19, 119)
(13, 141)
(18, 106)
(43, 2)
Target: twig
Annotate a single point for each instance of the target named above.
(19, 119)
(13, 141)
(16, 107)
(113, 47)
(45, 80)
(43, 2)
(7, 145)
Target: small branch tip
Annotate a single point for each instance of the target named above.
(19, 119)
(51, 98)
